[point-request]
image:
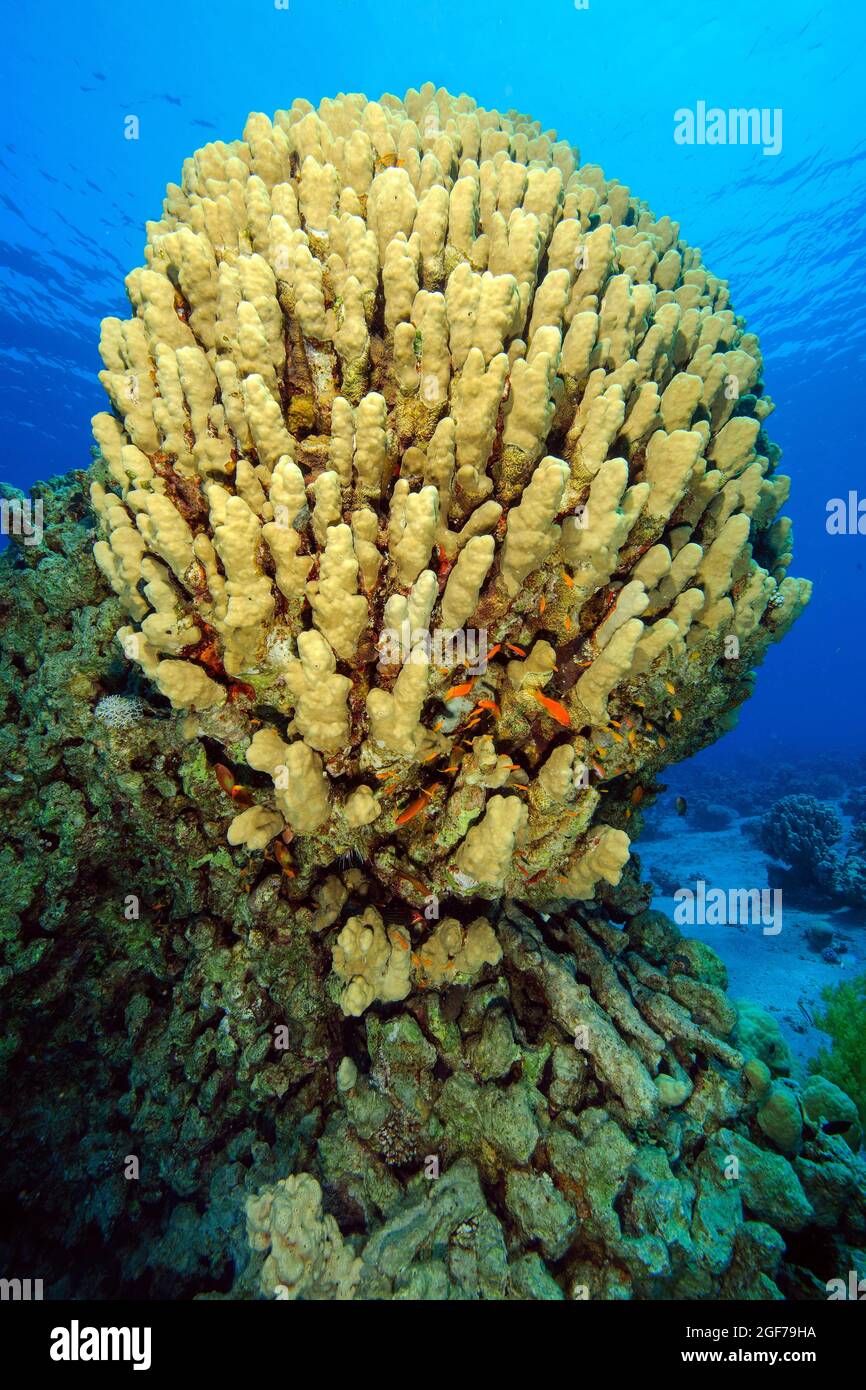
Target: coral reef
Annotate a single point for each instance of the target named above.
(582, 1087)
(436, 493)
(367, 999)
(802, 833)
(806, 835)
(567, 1168)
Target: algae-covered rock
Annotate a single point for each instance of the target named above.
(757, 1034)
(828, 1106)
(781, 1118)
(530, 1279)
(493, 1125)
(494, 1052)
(541, 1212)
(767, 1182)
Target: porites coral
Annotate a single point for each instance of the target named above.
(406, 367)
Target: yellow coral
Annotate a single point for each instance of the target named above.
(386, 404)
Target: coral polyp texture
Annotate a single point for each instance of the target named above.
(437, 496)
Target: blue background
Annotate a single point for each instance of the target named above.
(787, 232)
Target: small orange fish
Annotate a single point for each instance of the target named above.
(224, 778)
(598, 770)
(568, 579)
(616, 724)
(383, 776)
(411, 811)
(494, 651)
(678, 714)
(542, 604)
(284, 859)
(458, 691)
(568, 624)
(616, 736)
(671, 689)
(632, 737)
(554, 708)
(640, 704)
(662, 742)
(637, 796)
(489, 704)
(415, 882)
(453, 767)
(241, 797)
(512, 648)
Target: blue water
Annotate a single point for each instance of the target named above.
(786, 231)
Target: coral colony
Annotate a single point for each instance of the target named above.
(370, 378)
(437, 502)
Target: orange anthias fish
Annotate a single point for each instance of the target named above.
(411, 810)
(554, 708)
(489, 704)
(636, 796)
(284, 859)
(457, 691)
(225, 778)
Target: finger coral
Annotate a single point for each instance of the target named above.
(437, 490)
